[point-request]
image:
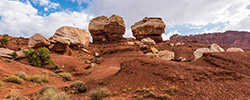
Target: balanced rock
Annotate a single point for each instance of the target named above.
(234, 50)
(149, 27)
(216, 48)
(166, 55)
(198, 53)
(104, 29)
(37, 41)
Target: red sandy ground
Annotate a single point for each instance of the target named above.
(215, 76)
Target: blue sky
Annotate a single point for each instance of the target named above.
(185, 17)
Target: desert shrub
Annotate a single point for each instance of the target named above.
(79, 87)
(39, 58)
(14, 55)
(66, 76)
(14, 79)
(171, 90)
(39, 79)
(1, 83)
(22, 75)
(52, 94)
(189, 60)
(15, 96)
(5, 39)
(163, 97)
(47, 87)
(98, 94)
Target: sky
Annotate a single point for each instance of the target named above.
(24, 18)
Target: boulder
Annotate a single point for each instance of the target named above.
(37, 41)
(71, 36)
(104, 29)
(149, 27)
(199, 52)
(148, 41)
(6, 52)
(234, 50)
(216, 48)
(154, 50)
(166, 55)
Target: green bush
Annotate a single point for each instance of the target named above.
(39, 79)
(14, 55)
(14, 79)
(45, 88)
(79, 87)
(98, 94)
(1, 83)
(171, 90)
(15, 96)
(22, 75)
(40, 57)
(66, 76)
(5, 39)
(52, 94)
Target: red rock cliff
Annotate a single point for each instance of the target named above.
(229, 38)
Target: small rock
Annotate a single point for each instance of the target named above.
(216, 48)
(148, 41)
(199, 52)
(181, 59)
(166, 55)
(234, 50)
(130, 43)
(154, 50)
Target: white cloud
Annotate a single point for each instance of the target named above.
(81, 1)
(46, 3)
(194, 12)
(166, 37)
(21, 19)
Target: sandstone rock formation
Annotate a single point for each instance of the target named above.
(216, 48)
(69, 36)
(234, 50)
(228, 38)
(105, 29)
(199, 52)
(5, 52)
(37, 41)
(149, 27)
(166, 55)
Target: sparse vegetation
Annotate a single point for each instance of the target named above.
(66, 76)
(14, 79)
(163, 97)
(39, 79)
(39, 58)
(5, 39)
(1, 83)
(98, 94)
(53, 94)
(79, 87)
(15, 96)
(171, 90)
(45, 88)
(189, 60)
(22, 75)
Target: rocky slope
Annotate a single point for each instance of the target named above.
(239, 39)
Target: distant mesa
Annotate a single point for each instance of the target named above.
(239, 39)
(104, 29)
(151, 27)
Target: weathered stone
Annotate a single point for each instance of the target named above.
(154, 50)
(216, 48)
(105, 29)
(199, 52)
(149, 27)
(6, 52)
(181, 59)
(234, 50)
(71, 36)
(148, 41)
(37, 41)
(166, 55)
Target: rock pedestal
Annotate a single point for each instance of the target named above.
(149, 27)
(104, 29)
